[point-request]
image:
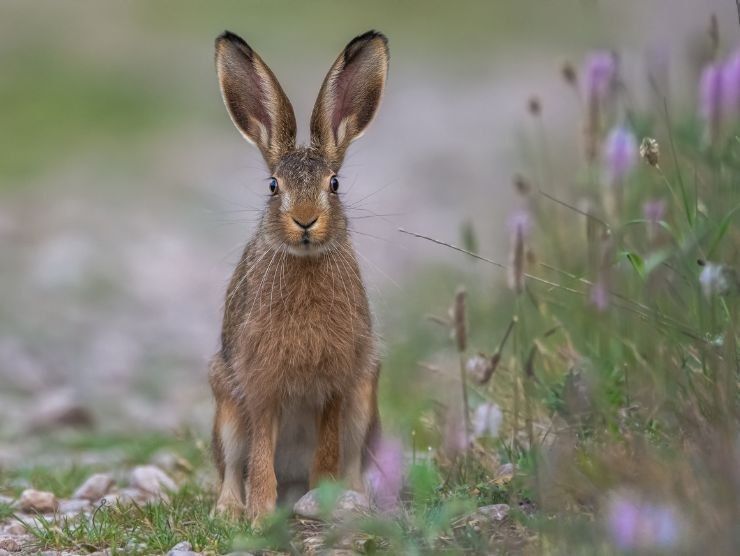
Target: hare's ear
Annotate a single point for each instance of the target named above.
(255, 101)
(350, 95)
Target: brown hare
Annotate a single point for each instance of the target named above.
(295, 381)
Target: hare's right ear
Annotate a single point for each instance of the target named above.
(350, 96)
(255, 101)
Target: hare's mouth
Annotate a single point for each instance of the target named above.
(306, 246)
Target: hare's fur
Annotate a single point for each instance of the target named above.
(295, 381)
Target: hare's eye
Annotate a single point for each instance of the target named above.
(273, 186)
(334, 184)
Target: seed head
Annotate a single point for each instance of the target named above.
(534, 106)
(460, 331)
(568, 71)
(521, 185)
(650, 151)
(713, 32)
(480, 367)
(519, 226)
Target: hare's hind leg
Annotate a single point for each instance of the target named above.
(230, 445)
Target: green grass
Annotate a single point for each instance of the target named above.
(146, 529)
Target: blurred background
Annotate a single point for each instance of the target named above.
(126, 195)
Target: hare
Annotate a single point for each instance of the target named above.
(295, 381)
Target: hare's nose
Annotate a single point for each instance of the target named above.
(306, 225)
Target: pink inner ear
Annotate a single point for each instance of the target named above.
(344, 95)
(257, 101)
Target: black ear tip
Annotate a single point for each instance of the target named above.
(227, 37)
(367, 37)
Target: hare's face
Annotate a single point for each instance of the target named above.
(304, 212)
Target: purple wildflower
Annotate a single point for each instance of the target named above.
(636, 525)
(620, 155)
(520, 225)
(731, 85)
(385, 474)
(600, 75)
(600, 295)
(710, 100)
(455, 440)
(654, 211)
(487, 420)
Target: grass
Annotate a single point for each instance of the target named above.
(145, 529)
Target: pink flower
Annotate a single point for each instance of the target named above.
(455, 439)
(520, 225)
(653, 211)
(599, 296)
(600, 75)
(731, 85)
(385, 473)
(487, 420)
(636, 525)
(710, 100)
(620, 155)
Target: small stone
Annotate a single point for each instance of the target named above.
(74, 507)
(4, 552)
(60, 409)
(126, 497)
(15, 528)
(152, 479)
(348, 502)
(10, 544)
(171, 462)
(183, 546)
(6, 500)
(95, 487)
(494, 512)
(504, 474)
(37, 501)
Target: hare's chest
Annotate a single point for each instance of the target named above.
(314, 337)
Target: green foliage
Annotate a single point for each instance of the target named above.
(147, 529)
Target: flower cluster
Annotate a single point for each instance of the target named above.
(636, 525)
(719, 96)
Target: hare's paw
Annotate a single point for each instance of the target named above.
(257, 510)
(229, 507)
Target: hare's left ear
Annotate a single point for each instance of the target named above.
(350, 96)
(255, 101)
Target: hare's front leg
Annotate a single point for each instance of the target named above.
(261, 481)
(326, 456)
(359, 413)
(230, 447)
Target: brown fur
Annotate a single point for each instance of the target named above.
(295, 381)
